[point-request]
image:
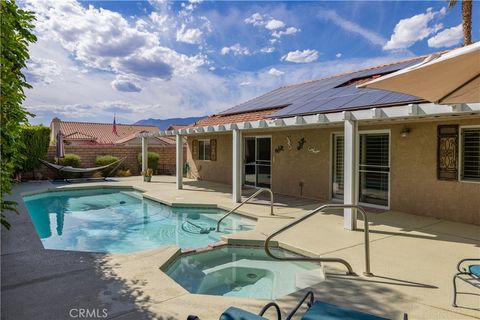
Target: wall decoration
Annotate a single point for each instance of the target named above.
(279, 149)
(301, 142)
(313, 150)
(289, 142)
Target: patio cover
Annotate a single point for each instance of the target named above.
(449, 78)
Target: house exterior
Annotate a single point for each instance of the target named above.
(329, 140)
(89, 133)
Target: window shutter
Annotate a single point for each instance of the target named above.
(213, 150)
(471, 154)
(447, 152)
(195, 149)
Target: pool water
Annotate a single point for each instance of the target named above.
(243, 272)
(121, 220)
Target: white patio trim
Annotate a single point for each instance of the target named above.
(179, 161)
(410, 111)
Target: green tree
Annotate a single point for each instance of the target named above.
(15, 35)
(466, 19)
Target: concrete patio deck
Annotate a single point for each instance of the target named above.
(413, 259)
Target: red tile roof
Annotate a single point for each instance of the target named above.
(217, 119)
(102, 133)
(79, 136)
(132, 136)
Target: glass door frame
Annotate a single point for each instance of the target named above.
(244, 183)
(357, 165)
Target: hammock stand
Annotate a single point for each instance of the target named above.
(68, 169)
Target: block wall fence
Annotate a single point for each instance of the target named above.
(88, 154)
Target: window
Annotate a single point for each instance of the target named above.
(203, 149)
(470, 165)
(447, 152)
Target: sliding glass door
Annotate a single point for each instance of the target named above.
(373, 168)
(257, 162)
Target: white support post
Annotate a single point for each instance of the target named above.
(350, 173)
(179, 162)
(144, 154)
(236, 166)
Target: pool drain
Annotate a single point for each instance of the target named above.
(252, 276)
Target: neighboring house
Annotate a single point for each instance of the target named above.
(327, 139)
(89, 133)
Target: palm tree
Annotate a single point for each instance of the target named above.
(466, 19)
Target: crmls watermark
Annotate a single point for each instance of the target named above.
(86, 313)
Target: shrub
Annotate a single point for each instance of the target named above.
(36, 140)
(153, 158)
(124, 173)
(105, 160)
(71, 160)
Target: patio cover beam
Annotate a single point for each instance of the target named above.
(236, 165)
(411, 111)
(144, 153)
(179, 161)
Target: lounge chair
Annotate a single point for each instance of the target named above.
(70, 169)
(470, 275)
(316, 310)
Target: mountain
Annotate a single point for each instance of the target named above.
(163, 124)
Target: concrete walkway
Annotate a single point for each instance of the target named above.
(413, 259)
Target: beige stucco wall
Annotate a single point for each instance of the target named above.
(414, 187)
(219, 170)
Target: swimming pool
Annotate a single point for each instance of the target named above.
(242, 272)
(121, 221)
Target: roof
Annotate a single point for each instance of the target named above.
(79, 136)
(102, 133)
(232, 118)
(132, 136)
(177, 126)
(335, 93)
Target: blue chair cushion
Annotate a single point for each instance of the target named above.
(234, 313)
(326, 311)
(474, 269)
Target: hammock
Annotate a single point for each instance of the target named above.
(71, 169)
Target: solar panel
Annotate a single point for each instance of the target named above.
(327, 94)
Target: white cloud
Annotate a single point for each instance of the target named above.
(338, 55)
(245, 83)
(236, 50)
(353, 27)
(192, 36)
(447, 38)
(274, 24)
(256, 19)
(267, 50)
(126, 84)
(275, 72)
(105, 40)
(410, 30)
(304, 56)
(40, 70)
(288, 31)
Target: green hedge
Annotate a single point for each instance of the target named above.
(105, 160)
(36, 140)
(71, 160)
(153, 158)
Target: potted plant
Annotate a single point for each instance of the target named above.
(147, 175)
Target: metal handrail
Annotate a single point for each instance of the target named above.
(245, 201)
(319, 259)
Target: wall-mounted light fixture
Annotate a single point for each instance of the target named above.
(405, 132)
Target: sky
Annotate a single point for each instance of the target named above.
(159, 59)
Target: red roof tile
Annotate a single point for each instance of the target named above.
(102, 133)
(217, 119)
